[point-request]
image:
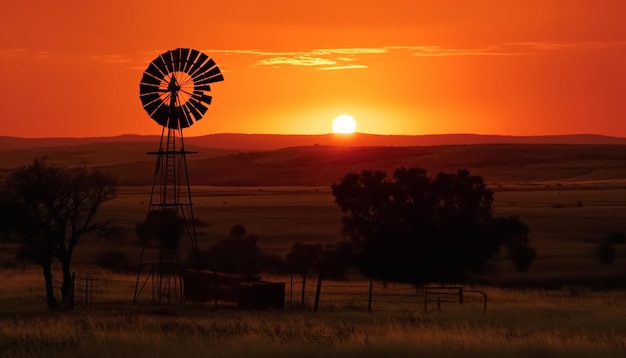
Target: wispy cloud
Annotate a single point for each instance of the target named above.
(347, 67)
(298, 60)
(332, 58)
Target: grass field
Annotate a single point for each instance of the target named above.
(565, 235)
(574, 321)
(519, 323)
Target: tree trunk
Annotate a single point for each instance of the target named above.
(47, 276)
(67, 280)
(303, 286)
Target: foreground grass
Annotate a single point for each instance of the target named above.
(286, 334)
(573, 322)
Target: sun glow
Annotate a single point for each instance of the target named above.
(344, 124)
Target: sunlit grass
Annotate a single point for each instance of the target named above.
(572, 322)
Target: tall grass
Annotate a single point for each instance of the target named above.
(573, 322)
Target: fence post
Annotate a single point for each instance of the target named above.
(303, 287)
(215, 288)
(86, 292)
(461, 296)
(369, 299)
(317, 293)
(291, 292)
(425, 299)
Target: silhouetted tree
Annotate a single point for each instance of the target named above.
(416, 228)
(616, 238)
(163, 226)
(237, 231)
(301, 259)
(512, 233)
(606, 252)
(239, 254)
(49, 208)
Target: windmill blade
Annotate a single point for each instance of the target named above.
(167, 60)
(186, 116)
(197, 115)
(145, 89)
(206, 67)
(197, 65)
(175, 59)
(161, 114)
(154, 71)
(196, 104)
(200, 96)
(160, 65)
(217, 78)
(184, 55)
(193, 55)
(152, 106)
(206, 88)
(149, 98)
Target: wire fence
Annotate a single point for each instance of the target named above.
(97, 290)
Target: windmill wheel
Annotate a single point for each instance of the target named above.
(173, 89)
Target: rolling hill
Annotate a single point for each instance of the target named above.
(256, 142)
(320, 165)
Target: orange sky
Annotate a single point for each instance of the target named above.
(72, 68)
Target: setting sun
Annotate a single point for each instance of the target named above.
(344, 124)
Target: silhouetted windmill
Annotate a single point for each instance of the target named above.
(173, 90)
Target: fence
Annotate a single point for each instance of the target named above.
(99, 290)
(379, 296)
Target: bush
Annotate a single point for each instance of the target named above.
(606, 253)
(616, 238)
(114, 260)
(522, 256)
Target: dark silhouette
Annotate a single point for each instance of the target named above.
(419, 229)
(606, 252)
(49, 208)
(301, 259)
(238, 254)
(162, 226)
(513, 233)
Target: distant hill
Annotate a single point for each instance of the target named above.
(256, 142)
(581, 159)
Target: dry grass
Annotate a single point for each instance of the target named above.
(574, 322)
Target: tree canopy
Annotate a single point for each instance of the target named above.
(416, 228)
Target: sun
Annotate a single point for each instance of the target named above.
(344, 124)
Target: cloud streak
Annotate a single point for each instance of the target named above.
(353, 58)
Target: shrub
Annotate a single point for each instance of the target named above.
(616, 238)
(522, 256)
(606, 253)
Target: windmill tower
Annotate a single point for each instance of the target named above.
(173, 90)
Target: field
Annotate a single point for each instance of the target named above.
(564, 308)
(564, 234)
(571, 322)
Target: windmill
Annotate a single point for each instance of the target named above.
(173, 90)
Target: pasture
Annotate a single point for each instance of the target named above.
(519, 323)
(566, 225)
(571, 321)
(565, 235)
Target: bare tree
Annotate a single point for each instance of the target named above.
(49, 208)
